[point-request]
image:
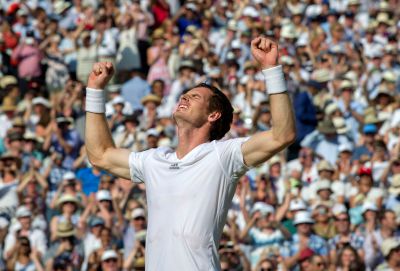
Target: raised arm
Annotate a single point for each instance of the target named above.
(100, 147)
(261, 146)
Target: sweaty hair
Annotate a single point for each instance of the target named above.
(218, 103)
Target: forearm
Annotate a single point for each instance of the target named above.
(97, 137)
(282, 117)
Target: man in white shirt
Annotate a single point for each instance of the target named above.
(189, 190)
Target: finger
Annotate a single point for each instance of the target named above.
(263, 44)
(255, 42)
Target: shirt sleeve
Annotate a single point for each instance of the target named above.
(136, 165)
(231, 157)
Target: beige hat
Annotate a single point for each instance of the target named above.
(395, 186)
(287, 60)
(340, 125)
(321, 75)
(325, 165)
(158, 34)
(65, 229)
(7, 80)
(67, 198)
(274, 159)
(8, 105)
(151, 98)
(353, 2)
(388, 245)
(326, 127)
(371, 119)
(383, 18)
(346, 84)
(331, 108)
(389, 76)
(289, 32)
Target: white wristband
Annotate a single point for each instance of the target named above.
(274, 80)
(95, 101)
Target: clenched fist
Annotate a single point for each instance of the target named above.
(265, 52)
(100, 75)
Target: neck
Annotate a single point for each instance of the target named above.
(386, 232)
(190, 138)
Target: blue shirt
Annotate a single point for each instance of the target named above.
(316, 243)
(90, 182)
(134, 90)
(73, 139)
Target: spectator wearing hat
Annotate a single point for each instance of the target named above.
(23, 228)
(157, 59)
(364, 191)
(345, 237)
(8, 112)
(114, 91)
(105, 206)
(31, 156)
(391, 251)
(116, 118)
(374, 240)
(68, 206)
(64, 139)
(351, 109)
(91, 238)
(107, 243)
(133, 230)
(150, 103)
(262, 229)
(369, 213)
(304, 167)
(304, 238)
(186, 16)
(8, 187)
(67, 246)
(324, 225)
(325, 141)
(130, 136)
(111, 261)
(37, 115)
(364, 151)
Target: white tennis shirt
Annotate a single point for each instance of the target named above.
(188, 200)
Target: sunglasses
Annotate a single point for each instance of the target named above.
(342, 220)
(112, 260)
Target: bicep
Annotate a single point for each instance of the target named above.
(116, 162)
(259, 148)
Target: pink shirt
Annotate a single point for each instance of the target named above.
(28, 58)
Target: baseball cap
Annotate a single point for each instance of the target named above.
(338, 209)
(96, 221)
(365, 171)
(138, 212)
(23, 211)
(303, 217)
(370, 129)
(103, 195)
(297, 205)
(263, 208)
(368, 206)
(69, 175)
(109, 254)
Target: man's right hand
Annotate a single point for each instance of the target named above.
(100, 75)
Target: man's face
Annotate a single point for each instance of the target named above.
(390, 220)
(304, 229)
(193, 106)
(25, 222)
(342, 223)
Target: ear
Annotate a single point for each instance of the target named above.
(214, 116)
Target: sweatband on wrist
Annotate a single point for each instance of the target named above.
(274, 80)
(95, 101)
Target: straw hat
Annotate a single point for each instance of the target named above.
(67, 198)
(7, 80)
(65, 229)
(151, 98)
(8, 106)
(158, 34)
(289, 32)
(326, 127)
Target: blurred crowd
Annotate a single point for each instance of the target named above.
(331, 201)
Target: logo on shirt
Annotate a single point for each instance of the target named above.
(174, 166)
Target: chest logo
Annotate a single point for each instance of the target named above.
(174, 166)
